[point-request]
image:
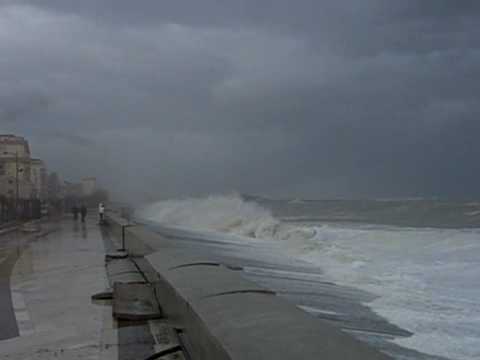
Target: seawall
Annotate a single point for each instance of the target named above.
(224, 316)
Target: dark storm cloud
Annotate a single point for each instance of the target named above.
(350, 26)
(306, 98)
(19, 106)
(73, 139)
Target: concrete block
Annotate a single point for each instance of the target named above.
(165, 336)
(118, 266)
(123, 271)
(116, 255)
(134, 302)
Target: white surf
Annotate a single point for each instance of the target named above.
(426, 279)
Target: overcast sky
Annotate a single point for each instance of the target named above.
(305, 98)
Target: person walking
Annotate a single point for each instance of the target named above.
(101, 212)
(83, 212)
(75, 212)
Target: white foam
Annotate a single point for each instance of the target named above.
(427, 280)
(228, 214)
(316, 311)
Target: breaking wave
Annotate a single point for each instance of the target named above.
(425, 279)
(224, 213)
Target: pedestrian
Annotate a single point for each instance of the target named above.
(101, 212)
(83, 212)
(75, 212)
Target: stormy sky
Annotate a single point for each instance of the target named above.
(305, 98)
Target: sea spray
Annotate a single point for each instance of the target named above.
(425, 278)
(223, 213)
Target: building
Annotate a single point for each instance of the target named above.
(73, 190)
(38, 177)
(15, 167)
(22, 177)
(12, 145)
(56, 187)
(8, 188)
(89, 186)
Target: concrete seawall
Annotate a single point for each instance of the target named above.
(224, 316)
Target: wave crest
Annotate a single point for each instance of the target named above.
(228, 214)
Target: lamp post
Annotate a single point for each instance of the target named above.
(17, 188)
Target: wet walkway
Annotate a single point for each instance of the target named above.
(47, 312)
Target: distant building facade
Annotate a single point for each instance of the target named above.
(19, 172)
(89, 186)
(73, 190)
(15, 167)
(24, 177)
(12, 145)
(38, 175)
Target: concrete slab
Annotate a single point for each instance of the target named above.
(123, 271)
(134, 302)
(116, 255)
(135, 340)
(164, 335)
(127, 278)
(116, 266)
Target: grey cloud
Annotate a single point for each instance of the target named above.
(312, 98)
(348, 27)
(19, 106)
(73, 139)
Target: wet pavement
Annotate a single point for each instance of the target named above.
(9, 326)
(46, 285)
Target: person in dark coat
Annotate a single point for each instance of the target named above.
(83, 212)
(75, 212)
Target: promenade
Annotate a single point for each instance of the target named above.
(168, 303)
(46, 282)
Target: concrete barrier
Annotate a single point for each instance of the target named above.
(115, 223)
(225, 316)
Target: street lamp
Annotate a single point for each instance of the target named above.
(17, 187)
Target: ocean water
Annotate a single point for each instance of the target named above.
(423, 274)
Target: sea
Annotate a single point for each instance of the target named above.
(401, 275)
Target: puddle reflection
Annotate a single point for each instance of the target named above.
(24, 265)
(84, 231)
